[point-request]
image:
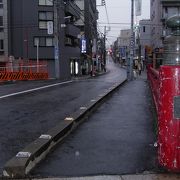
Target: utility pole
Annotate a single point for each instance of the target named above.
(56, 38)
(130, 64)
(104, 48)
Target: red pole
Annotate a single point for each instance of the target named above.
(169, 118)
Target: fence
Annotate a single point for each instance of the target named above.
(23, 70)
(153, 76)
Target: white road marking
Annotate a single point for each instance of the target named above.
(83, 108)
(69, 119)
(34, 89)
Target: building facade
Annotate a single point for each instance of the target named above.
(88, 26)
(169, 8)
(156, 21)
(144, 35)
(124, 43)
(160, 11)
(124, 39)
(3, 31)
(28, 30)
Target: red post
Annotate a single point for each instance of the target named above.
(169, 118)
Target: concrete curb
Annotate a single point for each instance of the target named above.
(84, 77)
(21, 164)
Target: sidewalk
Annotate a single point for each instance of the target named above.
(117, 139)
(128, 177)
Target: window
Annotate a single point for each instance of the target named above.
(44, 17)
(46, 2)
(1, 20)
(1, 29)
(1, 47)
(44, 41)
(49, 41)
(144, 28)
(42, 24)
(68, 41)
(1, 44)
(1, 4)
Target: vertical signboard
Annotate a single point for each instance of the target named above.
(123, 52)
(83, 45)
(138, 7)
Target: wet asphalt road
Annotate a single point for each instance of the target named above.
(117, 139)
(25, 117)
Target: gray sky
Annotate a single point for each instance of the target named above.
(119, 11)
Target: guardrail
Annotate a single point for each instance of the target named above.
(153, 76)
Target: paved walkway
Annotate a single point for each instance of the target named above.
(117, 139)
(128, 177)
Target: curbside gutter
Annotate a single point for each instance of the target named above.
(21, 164)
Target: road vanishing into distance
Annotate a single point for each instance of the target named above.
(29, 109)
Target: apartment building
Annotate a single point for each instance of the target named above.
(3, 31)
(88, 26)
(161, 10)
(124, 43)
(144, 35)
(156, 28)
(121, 46)
(124, 39)
(25, 33)
(169, 8)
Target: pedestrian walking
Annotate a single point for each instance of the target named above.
(139, 68)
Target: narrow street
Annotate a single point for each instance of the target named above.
(117, 139)
(90, 89)
(24, 117)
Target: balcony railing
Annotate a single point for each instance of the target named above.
(73, 9)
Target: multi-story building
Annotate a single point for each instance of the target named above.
(124, 39)
(156, 27)
(169, 8)
(161, 10)
(144, 35)
(124, 43)
(121, 46)
(28, 30)
(3, 31)
(88, 26)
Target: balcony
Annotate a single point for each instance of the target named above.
(72, 9)
(170, 3)
(72, 30)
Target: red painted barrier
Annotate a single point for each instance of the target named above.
(169, 118)
(165, 85)
(153, 76)
(24, 70)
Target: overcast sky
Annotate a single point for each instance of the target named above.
(119, 11)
